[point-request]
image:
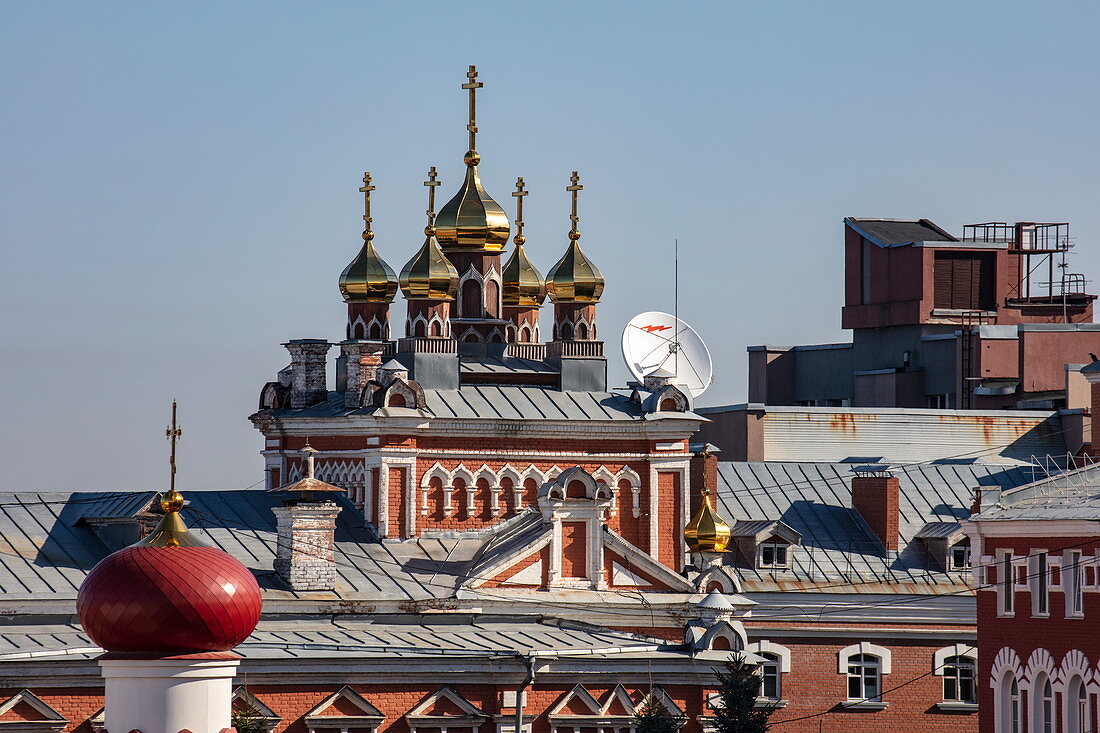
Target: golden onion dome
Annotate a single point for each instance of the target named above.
(472, 221)
(522, 284)
(707, 531)
(429, 275)
(367, 278)
(575, 278)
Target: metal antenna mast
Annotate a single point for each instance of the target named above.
(676, 305)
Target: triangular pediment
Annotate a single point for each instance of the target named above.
(25, 711)
(576, 702)
(641, 565)
(445, 706)
(617, 703)
(345, 705)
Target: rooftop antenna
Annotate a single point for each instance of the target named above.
(173, 433)
(676, 303)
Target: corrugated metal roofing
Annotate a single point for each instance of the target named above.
(888, 231)
(839, 553)
(507, 365)
(836, 434)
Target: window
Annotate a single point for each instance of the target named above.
(771, 684)
(1043, 707)
(773, 555)
(1040, 586)
(1008, 595)
(958, 680)
(864, 677)
(1077, 707)
(1073, 582)
(960, 556)
(936, 401)
(1013, 704)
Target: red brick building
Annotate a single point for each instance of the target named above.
(1038, 582)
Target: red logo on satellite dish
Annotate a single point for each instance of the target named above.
(651, 329)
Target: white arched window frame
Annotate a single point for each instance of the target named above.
(1005, 678)
(864, 665)
(1042, 704)
(778, 664)
(957, 665)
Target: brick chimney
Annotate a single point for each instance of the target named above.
(361, 362)
(875, 497)
(306, 533)
(309, 383)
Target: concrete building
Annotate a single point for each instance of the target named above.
(987, 320)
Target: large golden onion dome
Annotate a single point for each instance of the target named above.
(367, 278)
(472, 221)
(575, 278)
(429, 275)
(707, 531)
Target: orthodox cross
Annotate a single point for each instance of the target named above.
(576, 181)
(431, 183)
(365, 190)
(173, 433)
(519, 193)
(473, 85)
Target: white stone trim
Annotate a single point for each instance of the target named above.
(940, 656)
(864, 647)
(778, 650)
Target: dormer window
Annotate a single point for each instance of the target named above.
(774, 554)
(960, 555)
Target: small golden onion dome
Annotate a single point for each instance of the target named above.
(575, 278)
(471, 220)
(522, 283)
(367, 278)
(707, 531)
(429, 275)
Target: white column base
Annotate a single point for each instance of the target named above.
(168, 694)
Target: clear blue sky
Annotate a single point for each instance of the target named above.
(178, 181)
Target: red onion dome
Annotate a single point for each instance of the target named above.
(169, 593)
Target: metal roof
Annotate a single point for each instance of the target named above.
(839, 553)
(1069, 495)
(370, 636)
(500, 402)
(506, 365)
(939, 531)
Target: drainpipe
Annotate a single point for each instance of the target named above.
(521, 695)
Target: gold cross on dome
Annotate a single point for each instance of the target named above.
(576, 181)
(519, 193)
(473, 85)
(365, 190)
(431, 183)
(173, 433)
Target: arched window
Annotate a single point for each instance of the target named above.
(566, 332)
(771, 681)
(494, 337)
(437, 329)
(668, 404)
(397, 400)
(492, 299)
(575, 490)
(958, 680)
(582, 332)
(1077, 707)
(525, 335)
(471, 299)
(1042, 706)
(376, 331)
(419, 330)
(864, 677)
(471, 337)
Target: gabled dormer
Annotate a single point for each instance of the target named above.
(947, 544)
(765, 544)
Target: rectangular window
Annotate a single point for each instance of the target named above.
(863, 677)
(935, 401)
(958, 680)
(1041, 585)
(773, 555)
(864, 272)
(960, 556)
(1007, 592)
(770, 685)
(1073, 583)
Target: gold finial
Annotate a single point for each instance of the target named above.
(575, 180)
(431, 183)
(472, 158)
(519, 193)
(365, 190)
(171, 531)
(707, 531)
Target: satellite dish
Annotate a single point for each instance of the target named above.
(657, 344)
